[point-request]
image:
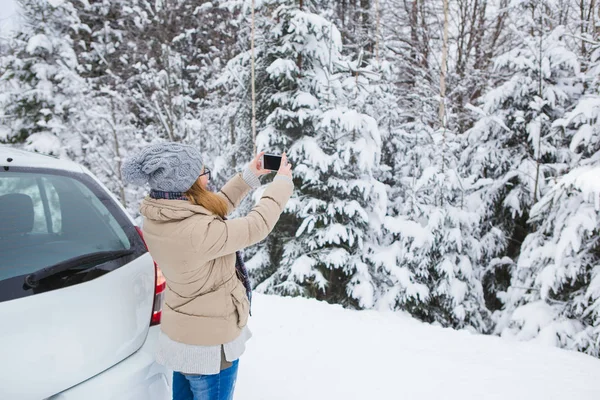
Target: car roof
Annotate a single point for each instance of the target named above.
(22, 158)
(28, 159)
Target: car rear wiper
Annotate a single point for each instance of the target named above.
(32, 280)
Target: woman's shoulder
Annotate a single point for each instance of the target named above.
(172, 210)
(203, 223)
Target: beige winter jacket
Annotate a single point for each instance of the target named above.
(205, 303)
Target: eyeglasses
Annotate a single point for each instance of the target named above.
(206, 172)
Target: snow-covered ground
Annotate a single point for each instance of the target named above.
(305, 349)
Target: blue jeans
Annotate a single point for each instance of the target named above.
(205, 387)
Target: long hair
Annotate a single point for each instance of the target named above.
(207, 199)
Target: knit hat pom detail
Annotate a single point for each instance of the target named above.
(132, 172)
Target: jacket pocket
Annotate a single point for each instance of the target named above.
(242, 306)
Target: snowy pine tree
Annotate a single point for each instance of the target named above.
(306, 107)
(104, 49)
(42, 104)
(512, 151)
(555, 290)
(430, 255)
(427, 258)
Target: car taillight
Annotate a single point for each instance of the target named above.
(159, 294)
(160, 284)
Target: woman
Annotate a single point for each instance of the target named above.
(207, 299)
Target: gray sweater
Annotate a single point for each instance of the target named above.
(200, 360)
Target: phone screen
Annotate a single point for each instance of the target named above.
(271, 162)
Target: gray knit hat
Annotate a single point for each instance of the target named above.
(168, 167)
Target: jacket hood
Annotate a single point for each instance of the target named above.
(170, 210)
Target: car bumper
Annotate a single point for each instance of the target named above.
(137, 377)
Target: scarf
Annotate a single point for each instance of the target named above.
(240, 267)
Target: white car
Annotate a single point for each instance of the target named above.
(80, 297)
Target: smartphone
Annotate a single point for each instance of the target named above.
(271, 162)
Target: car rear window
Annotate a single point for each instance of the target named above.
(47, 217)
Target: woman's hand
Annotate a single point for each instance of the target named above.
(285, 168)
(256, 165)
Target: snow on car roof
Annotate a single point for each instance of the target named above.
(22, 158)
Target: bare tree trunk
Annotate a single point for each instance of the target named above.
(461, 37)
(480, 33)
(582, 25)
(299, 58)
(443, 68)
(412, 10)
(253, 78)
(377, 30)
(540, 94)
(366, 41)
(425, 46)
(596, 27)
(592, 19)
(414, 26)
(170, 115)
(498, 29)
(469, 43)
(116, 144)
(117, 152)
(443, 86)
